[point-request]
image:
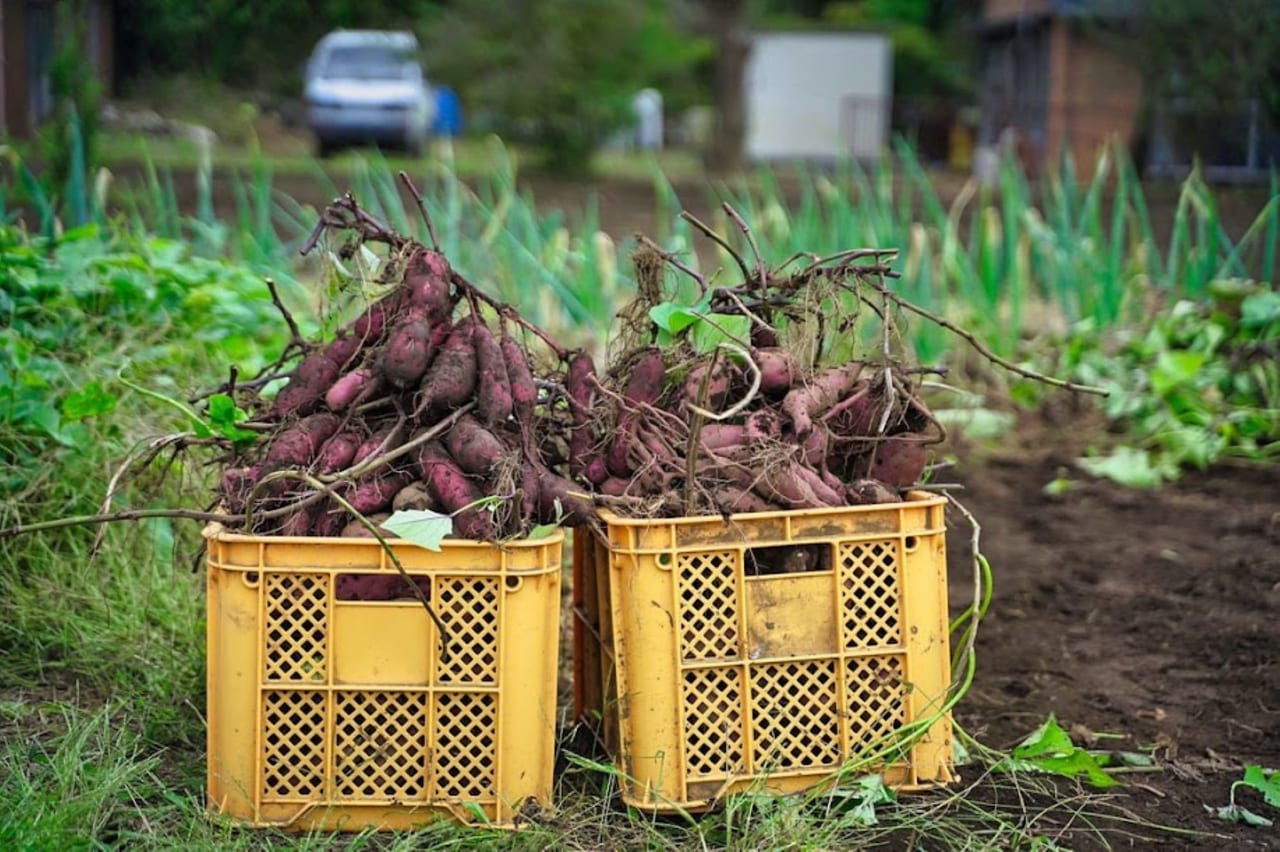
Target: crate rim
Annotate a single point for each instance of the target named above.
(915, 499)
(217, 531)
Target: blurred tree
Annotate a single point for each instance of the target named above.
(730, 26)
(1209, 57)
(560, 73)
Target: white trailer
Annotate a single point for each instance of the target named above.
(818, 96)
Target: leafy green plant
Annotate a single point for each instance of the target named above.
(1264, 781)
(1202, 383)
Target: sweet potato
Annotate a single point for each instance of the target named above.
(869, 491)
(718, 436)
(329, 519)
(307, 387)
(804, 403)
(733, 500)
(451, 379)
(296, 447)
(346, 390)
(595, 471)
(297, 524)
(355, 529)
(427, 283)
(580, 385)
(493, 385)
(407, 353)
(763, 425)
(524, 393)
(763, 337)
(342, 349)
(644, 387)
(415, 496)
(899, 461)
(554, 490)
(370, 325)
(455, 491)
(473, 447)
(795, 486)
(376, 493)
(375, 444)
(338, 452)
(778, 370)
(718, 385)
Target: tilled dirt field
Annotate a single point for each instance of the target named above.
(1152, 615)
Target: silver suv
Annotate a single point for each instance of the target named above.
(366, 86)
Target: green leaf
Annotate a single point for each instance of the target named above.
(224, 414)
(542, 531)
(1175, 368)
(90, 401)
(422, 527)
(1265, 781)
(714, 329)
(861, 798)
(1260, 309)
(1049, 749)
(673, 318)
(1235, 813)
(1128, 466)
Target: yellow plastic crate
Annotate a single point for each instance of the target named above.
(765, 650)
(333, 714)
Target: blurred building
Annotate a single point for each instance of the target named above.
(30, 34)
(1047, 82)
(818, 95)
(1054, 76)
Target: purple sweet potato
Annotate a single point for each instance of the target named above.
(524, 393)
(307, 387)
(718, 385)
(451, 379)
(375, 444)
(329, 519)
(596, 471)
(297, 446)
(899, 461)
(778, 371)
(869, 491)
(372, 323)
(763, 337)
(455, 492)
(473, 447)
(415, 496)
(734, 500)
(554, 491)
(298, 523)
(796, 487)
(407, 353)
(644, 387)
(355, 529)
(338, 452)
(349, 388)
(763, 425)
(580, 385)
(427, 281)
(493, 385)
(718, 436)
(342, 349)
(805, 402)
(376, 493)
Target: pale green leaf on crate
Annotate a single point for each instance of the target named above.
(422, 527)
(542, 531)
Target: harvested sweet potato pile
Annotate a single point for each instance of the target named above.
(430, 399)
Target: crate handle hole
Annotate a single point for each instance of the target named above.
(786, 559)
(664, 560)
(250, 578)
(910, 543)
(514, 584)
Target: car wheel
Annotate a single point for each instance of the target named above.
(324, 148)
(414, 145)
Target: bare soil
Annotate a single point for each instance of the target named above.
(1152, 615)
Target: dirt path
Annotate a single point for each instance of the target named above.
(1146, 614)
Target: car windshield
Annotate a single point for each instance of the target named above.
(375, 63)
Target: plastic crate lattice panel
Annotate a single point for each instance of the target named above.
(869, 594)
(708, 605)
(713, 722)
(380, 743)
(293, 744)
(793, 715)
(297, 628)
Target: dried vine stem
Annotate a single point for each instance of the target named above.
(422, 208)
(973, 341)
